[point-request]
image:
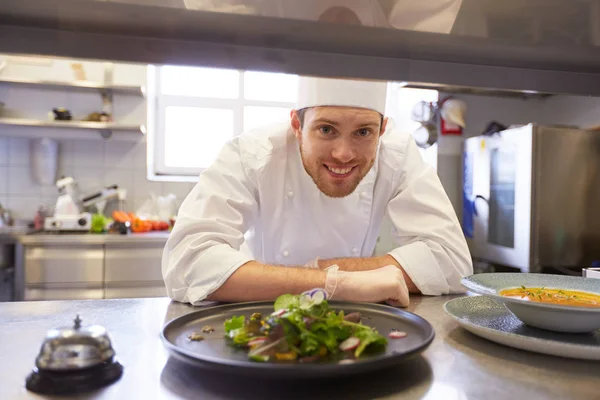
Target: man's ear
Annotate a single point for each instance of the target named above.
(383, 126)
(295, 123)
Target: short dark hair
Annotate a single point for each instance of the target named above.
(302, 111)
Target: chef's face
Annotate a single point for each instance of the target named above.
(338, 145)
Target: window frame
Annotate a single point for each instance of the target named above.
(157, 105)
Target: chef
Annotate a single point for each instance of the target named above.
(298, 205)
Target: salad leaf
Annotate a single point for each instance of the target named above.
(286, 301)
(310, 344)
(234, 323)
(320, 310)
(368, 338)
(329, 339)
(240, 337)
(258, 358)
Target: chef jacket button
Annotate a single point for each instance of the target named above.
(355, 251)
(290, 194)
(363, 195)
(286, 253)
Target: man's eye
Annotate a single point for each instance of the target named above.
(326, 129)
(364, 132)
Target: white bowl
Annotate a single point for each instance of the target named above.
(554, 317)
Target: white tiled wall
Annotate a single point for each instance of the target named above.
(93, 161)
(93, 164)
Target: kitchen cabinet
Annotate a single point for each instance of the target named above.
(60, 292)
(7, 267)
(133, 271)
(59, 272)
(67, 265)
(70, 267)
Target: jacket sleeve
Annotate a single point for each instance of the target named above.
(433, 250)
(202, 251)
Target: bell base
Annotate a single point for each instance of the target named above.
(76, 381)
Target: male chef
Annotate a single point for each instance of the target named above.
(298, 205)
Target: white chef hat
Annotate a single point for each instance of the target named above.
(315, 92)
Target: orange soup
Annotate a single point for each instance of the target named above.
(554, 296)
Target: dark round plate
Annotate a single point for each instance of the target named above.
(215, 352)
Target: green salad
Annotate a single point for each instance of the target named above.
(303, 329)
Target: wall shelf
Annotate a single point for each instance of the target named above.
(75, 85)
(105, 128)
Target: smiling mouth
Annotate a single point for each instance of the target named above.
(339, 172)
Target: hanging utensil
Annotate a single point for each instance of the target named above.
(423, 112)
(425, 135)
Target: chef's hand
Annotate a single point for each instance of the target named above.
(373, 286)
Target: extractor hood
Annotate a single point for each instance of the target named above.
(522, 46)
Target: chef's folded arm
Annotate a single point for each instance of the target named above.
(367, 264)
(202, 258)
(202, 250)
(432, 249)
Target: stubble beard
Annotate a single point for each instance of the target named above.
(322, 184)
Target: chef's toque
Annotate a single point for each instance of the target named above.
(315, 92)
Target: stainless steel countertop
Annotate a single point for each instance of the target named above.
(50, 239)
(457, 365)
(12, 233)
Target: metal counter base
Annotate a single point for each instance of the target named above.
(457, 365)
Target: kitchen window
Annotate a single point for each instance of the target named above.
(194, 111)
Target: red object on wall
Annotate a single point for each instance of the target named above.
(445, 127)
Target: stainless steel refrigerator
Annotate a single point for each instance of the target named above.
(531, 198)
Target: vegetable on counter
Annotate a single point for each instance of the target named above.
(100, 223)
(122, 216)
(139, 225)
(303, 329)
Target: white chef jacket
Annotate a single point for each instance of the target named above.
(256, 202)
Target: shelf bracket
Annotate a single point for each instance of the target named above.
(106, 133)
(107, 102)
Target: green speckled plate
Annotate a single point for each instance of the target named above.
(488, 318)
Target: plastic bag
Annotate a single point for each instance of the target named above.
(158, 208)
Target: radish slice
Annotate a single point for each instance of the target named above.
(257, 341)
(397, 335)
(347, 361)
(279, 313)
(263, 349)
(350, 344)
